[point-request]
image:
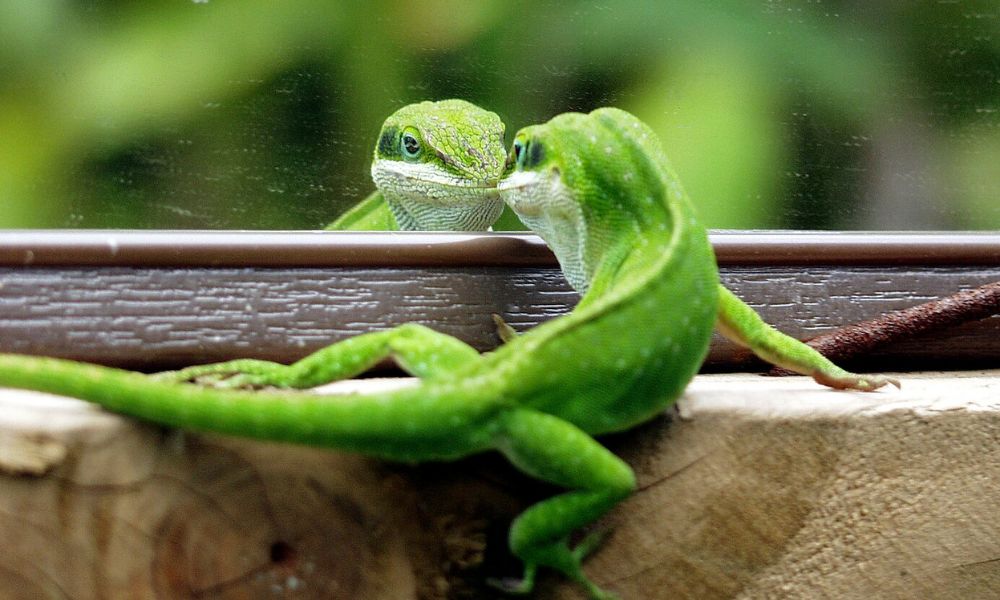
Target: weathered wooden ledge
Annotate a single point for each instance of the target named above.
(756, 487)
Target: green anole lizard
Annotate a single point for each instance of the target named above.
(599, 190)
(436, 167)
(440, 160)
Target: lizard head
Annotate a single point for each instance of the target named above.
(590, 185)
(439, 163)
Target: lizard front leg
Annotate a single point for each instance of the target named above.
(741, 324)
(371, 214)
(418, 350)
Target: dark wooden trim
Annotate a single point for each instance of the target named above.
(386, 249)
(161, 299)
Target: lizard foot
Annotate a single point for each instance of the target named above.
(242, 373)
(853, 381)
(213, 378)
(561, 558)
(504, 331)
(513, 585)
(588, 544)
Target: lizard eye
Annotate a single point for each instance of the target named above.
(527, 152)
(534, 154)
(519, 153)
(409, 144)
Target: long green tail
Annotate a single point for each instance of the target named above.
(405, 424)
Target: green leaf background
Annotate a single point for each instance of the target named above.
(263, 115)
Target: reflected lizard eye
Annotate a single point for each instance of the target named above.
(409, 144)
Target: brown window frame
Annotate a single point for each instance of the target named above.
(161, 299)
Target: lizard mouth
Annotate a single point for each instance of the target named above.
(521, 191)
(519, 180)
(425, 173)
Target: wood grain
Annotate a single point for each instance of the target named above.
(755, 487)
(162, 299)
(160, 317)
(762, 488)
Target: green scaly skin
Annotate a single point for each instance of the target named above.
(598, 189)
(735, 320)
(436, 167)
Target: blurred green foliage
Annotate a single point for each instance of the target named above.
(256, 114)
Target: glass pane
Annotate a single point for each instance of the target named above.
(263, 115)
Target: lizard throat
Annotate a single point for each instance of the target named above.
(424, 197)
(543, 202)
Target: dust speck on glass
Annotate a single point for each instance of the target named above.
(257, 115)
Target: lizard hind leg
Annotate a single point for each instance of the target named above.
(554, 450)
(419, 350)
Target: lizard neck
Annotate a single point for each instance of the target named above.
(594, 241)
(609, 247)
